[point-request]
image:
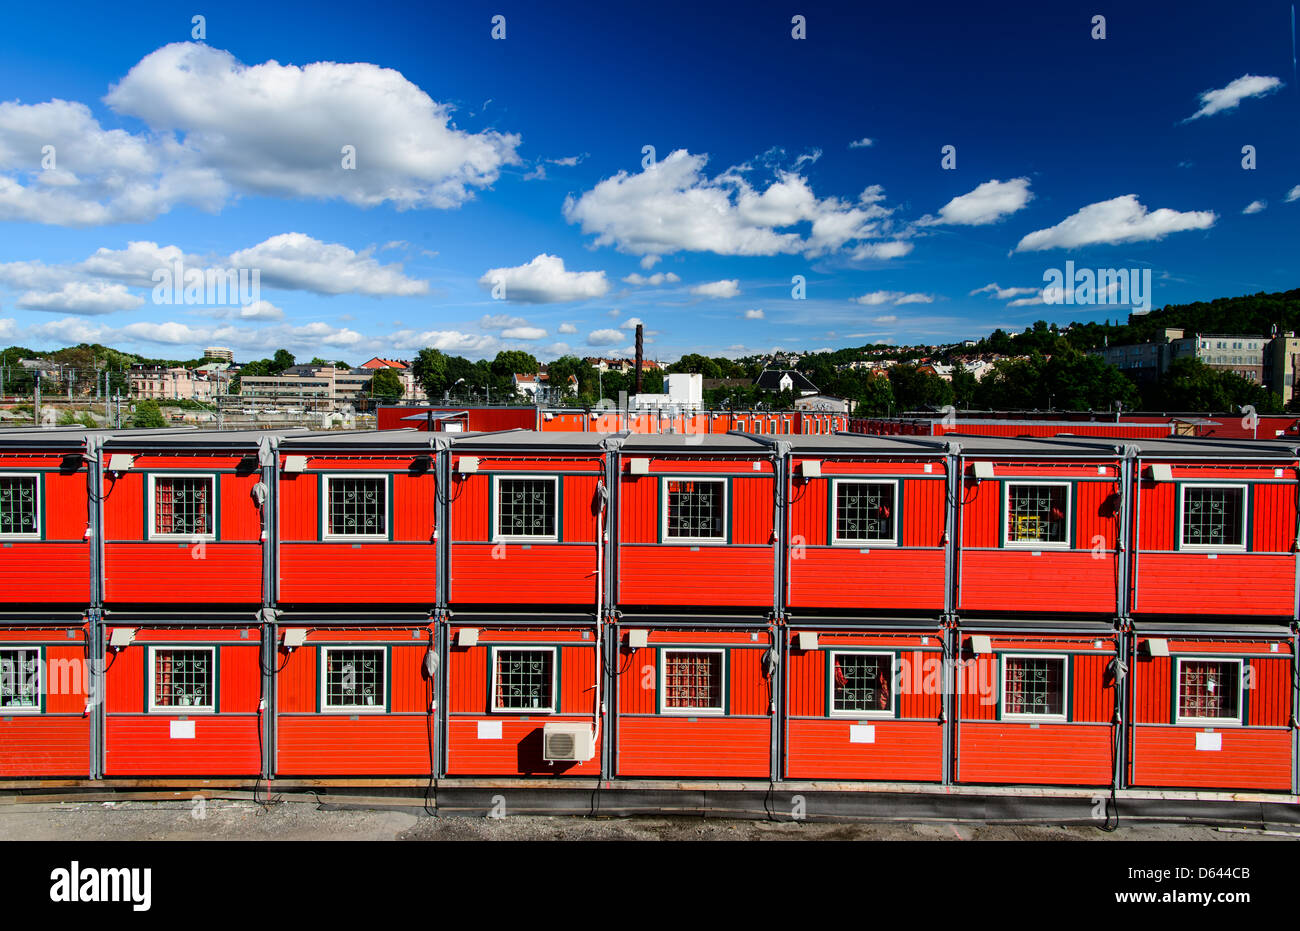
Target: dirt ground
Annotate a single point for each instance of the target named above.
(306, 821)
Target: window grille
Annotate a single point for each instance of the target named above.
(20, 678)
(525, 680)
(1037, 513)
(182, 678)
(862, 682)
(864, 511)
(182, 505)
(18, 504)
(1034, 686)
(358, 506)
(354, 678)
(693, 680)
(1208, 689)
(1213, 516)
(695, 509)
(526, 507)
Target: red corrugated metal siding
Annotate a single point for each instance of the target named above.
(908, 747)
(1273, 523)
(66, 516)
(299, 506)
(1025, 754)
(732, 745)
(1250, 758)
(1077, 752)
(240, 518)
(183, 573)
(358, 573)
(44, 572)
(1257, 584)
(1268, 703)
(709, 575)
(124, 507)
(532, 574)
(225, 743)
(1038, 580)
(56, 741)
(842, 577)
(399, 742)
(639, 509)
(519, 750)
(414, 507)
(1157, 516)
(981, 511)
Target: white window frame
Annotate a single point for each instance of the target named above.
(693, 541)
(40, 528)
(153, 502)
(1007, 542)
(40, 680)
(555, 685)
(1179, 718)
(498, 536)
(1213, 547)
(895, 676)
(1064, 714)
(836, 539)
(210, 708)
(326, 478)
(326, 707)
(722, 686)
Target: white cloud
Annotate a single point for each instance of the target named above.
(82, 297)
(892, 249)
(1121, 219)
(988, 203)
(524, 332)
(654, 281)
(631, 323)
(136, 264)
(501, 321)
(728, 287)
(258, 310)
(876, 298)
(862, 143)
(673, 206)
(297, 261)
(568, 328)
(1255, 206)
(218, 128)
(1228, 98)
(544, 280)
(604, 338)
(1293, 194)
(446, 341)
(279, 129)
(754, 315)
(1002, 293)
(885, 318)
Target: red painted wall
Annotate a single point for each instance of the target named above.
(55, 741)
(55, 569)
(734, 745)
(518, 752)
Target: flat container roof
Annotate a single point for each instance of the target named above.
(803, 443)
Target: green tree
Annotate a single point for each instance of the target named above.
(282, 360)
(386, 385)
(1191, 385)
(148, 416)
(915, 389)
(875, 397)
(430, 370)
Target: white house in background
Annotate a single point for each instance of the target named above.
(684, 393)
(778, 380)
(824, 402)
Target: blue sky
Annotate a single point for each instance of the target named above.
(500, 197)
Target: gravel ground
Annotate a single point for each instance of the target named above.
(305, 821)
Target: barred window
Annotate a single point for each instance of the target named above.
(862, 683)
(864, 512)
(19, 507)
(1209, 690)
(1037, 513)
(183, 505)
(523, 680)
(354, 678)
(692, 680)
(696, 509)
(1213, 515)
(526, 507)
(20, 679)
(357, 506)
(1033, 685)
(182, 678)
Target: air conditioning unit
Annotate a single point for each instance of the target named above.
(568, 743)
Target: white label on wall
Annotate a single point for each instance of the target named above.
(862, 733)
(489, 730)
(1206, 741)
(182, 730)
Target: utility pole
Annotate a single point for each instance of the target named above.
(36, 406)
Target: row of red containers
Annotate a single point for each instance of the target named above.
(973, 526)
(1176, 706)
